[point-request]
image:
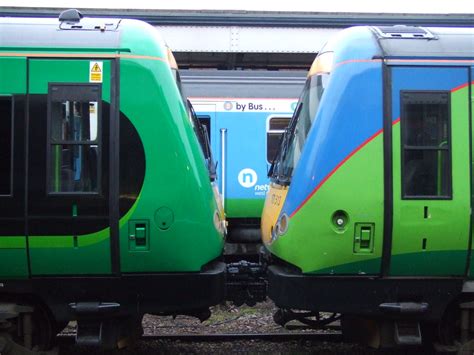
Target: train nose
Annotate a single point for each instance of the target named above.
(272, 223)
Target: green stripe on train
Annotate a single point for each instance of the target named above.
(450, 261)
(244, 208)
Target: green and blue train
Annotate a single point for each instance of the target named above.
(369, 209)
(107, 210)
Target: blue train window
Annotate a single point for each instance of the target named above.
(203, 135)
(74, 113)
(276, 129)
(6, 140)
(426, 146)
(299, 126)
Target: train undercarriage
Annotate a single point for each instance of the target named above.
(108, 310)
(380, 313)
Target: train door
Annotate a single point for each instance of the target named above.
(13, 253)
(68, 162)
(431, 171)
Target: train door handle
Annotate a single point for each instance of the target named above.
(138, 235)
(364, 237)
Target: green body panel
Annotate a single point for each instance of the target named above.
(13, 258)
(13, 254)
(83, 240)
(176, 177)
(332, 250)
(143, 40)
(12, 76)
(448, 263)
(358, 267)
(44, 71)
(456, 259)
(244, 208)
(447, 227)
(69, 260)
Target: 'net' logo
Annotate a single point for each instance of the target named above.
(247, 177)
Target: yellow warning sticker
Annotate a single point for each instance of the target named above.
(95, 72)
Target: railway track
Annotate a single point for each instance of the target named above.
(223, 343)
(273, 337)
(270, 337)
(211, 343)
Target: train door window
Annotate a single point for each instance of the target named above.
(426, 146)
(6, 143)
(74, 122)
(276, 129)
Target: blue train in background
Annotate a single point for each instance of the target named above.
(245, 114)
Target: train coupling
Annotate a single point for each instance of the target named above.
(246, 283)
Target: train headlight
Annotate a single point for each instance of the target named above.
(340, 220)
(283, 224)
(281, 227)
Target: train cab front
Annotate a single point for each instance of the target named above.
(284, 277)
(280, 233)
(320, 239)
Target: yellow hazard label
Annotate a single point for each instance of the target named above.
(95, 72)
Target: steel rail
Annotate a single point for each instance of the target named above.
(227, 337)
(270, 337)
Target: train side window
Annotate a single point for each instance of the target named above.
(426, 145)
(74, 152)
(206, 122)
(6, 144)
(276, 129)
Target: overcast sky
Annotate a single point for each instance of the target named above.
(390, 6)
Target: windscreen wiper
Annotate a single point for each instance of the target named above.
(289, 133)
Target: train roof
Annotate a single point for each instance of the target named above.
(34, 32)
(95, 34)
(243, 83)
(410, 41)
